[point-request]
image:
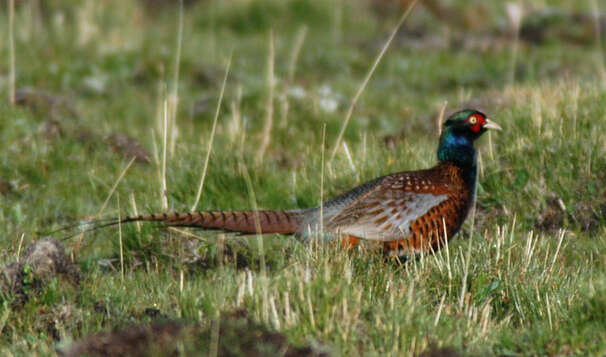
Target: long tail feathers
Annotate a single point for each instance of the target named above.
(232, 221)
(246, 222)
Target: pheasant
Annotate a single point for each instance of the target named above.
(407, 212)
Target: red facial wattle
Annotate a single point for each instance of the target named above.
(479, 122)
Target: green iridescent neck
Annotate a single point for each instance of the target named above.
(456, 147)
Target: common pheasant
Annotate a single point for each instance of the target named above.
(407, 212)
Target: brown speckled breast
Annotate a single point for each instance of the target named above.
(428, 232)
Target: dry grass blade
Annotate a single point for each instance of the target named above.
(349, 157)
(515, 15)
(18, 254)
(260, 246)
(109, 196)
(135, 211)
(322, 181)
(292, 63)
(269, 106)
(214, 337)
(561, 234)
(439, 313)
(367, 79)
(187, 234)
(113, 189)
(173, 98)
(163, 187)
(212, 136)
(257, 220)
(121, 243)
(548, 304)
(440, 117)
(595, 11)
(11, 50)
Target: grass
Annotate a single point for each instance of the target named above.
(526, 276)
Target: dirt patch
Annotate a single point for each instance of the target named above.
(538, 26)
(162, 5)
(586, 216)
(54, 322)
(234, 334)
(122, 144)
(55, 111)
(553, 25)
(128, 147)
(6, 187)
(226, 254)
(463, 18)
(42, 261)
(149, 315)
(60, 119)
(131, 341)
(44, 102)
(239, 335)
(590, 215)
(553, 217)
(487, 216)
(440, 352)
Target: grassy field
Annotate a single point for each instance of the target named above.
(99, 82)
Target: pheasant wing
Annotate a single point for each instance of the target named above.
(386, 212)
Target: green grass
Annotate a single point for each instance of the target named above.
(505, 286)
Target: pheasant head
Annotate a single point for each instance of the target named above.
(459, 132)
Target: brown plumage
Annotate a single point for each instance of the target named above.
(427, 232)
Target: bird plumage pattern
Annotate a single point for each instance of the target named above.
(407, 212)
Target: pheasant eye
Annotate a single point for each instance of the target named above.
(473, 120)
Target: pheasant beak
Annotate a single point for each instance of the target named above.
(490, 125)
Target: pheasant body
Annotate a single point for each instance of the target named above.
(406, 212)
(409, 212)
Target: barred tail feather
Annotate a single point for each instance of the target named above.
(247, 222)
